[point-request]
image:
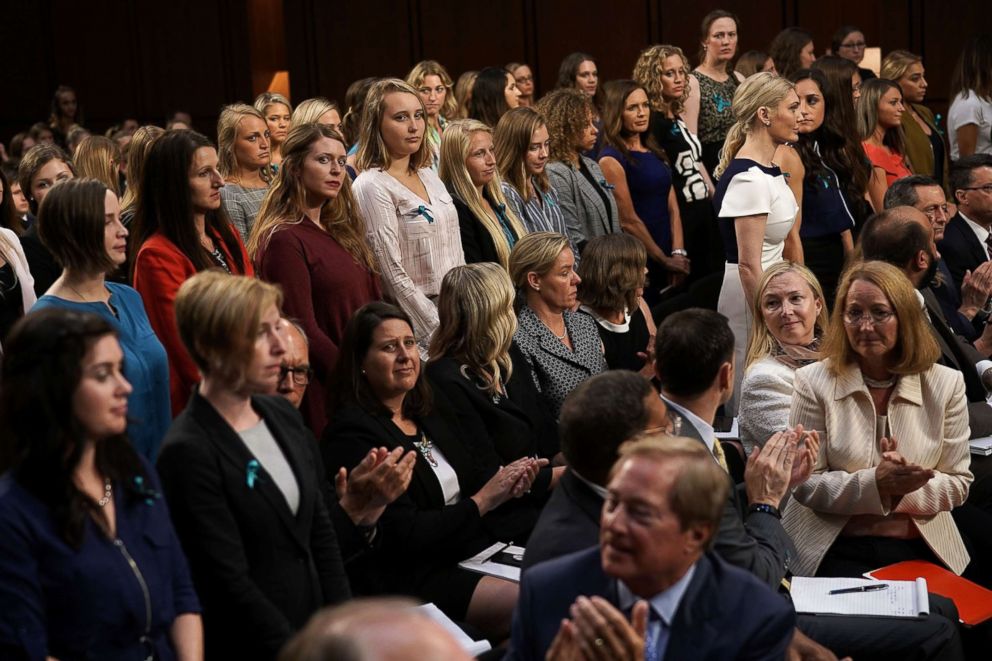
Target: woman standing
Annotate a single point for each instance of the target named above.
(493, 94)
(436, 90)
(848, 42)
(791, 50)
(523, 146)
(65, 112)
(879, 115)
(17, 294)
(244, 162)
(90, 566)
(42, 168)
(642, 184)
(81, 223)
(278, 114)
(412, 222)
(180, 228)
(712, 85)
(310, 240)
(488, 228)
(757, 208)
(99, 158)
(969, 120)
(137, 152)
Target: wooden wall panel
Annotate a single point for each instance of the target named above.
(451, 32)
(760, 20)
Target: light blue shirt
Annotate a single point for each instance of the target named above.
(664, 606)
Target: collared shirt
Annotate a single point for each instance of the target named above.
(981, 233)
(982, 365)
(600, 491)
(665, 605)
(704, 429)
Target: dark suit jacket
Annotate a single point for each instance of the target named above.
(260, 571)
(44, 269)
(949, 297)
(757, 541)
(725, 612)
(477, 242)
(960, 249)
(568, 523)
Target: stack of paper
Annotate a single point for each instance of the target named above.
(896, 599)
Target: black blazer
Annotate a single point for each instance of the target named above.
(960, 249)
(568, 523)
(418, 532)
(44, 269)
(260, 571)
(477, 242)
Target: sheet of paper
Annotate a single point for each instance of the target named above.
(484, 562)
(472, 647)
(898, 599)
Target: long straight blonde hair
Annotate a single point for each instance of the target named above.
(455, 145)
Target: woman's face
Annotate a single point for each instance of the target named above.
(251, 143)
(559, 287)
(403, 124)
(587, 77)
(856, 86)
(913, 83)
(331, 118)
(46, 137)
(587, 136)
(68, 105)
(769, 65)
(853, 47)
(262, 375)
(114, 233)
(481, 159)
(721, 42)
(277, 118)
(525, 80)
(205, 181)
(51, 173)
(672, 78)
(869, 338)
(811, 106)
(636, 112)
(890, 108)
(433, 93)
(323, 170)
(807, 56)
(789, 309)
(538, 150)
(784, 126)
(392, 364)
(100, 401)
(511, 93)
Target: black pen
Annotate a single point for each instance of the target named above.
(862, 588)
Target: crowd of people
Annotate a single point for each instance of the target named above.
(322, 361)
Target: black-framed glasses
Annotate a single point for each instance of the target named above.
(986, 188)
(854, 45)
(874, 317)
(301, 374)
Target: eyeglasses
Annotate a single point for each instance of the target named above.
(301, 374)
(875, 317)
(987, 188)
(931, 211)
(854, 45)
(524, 79)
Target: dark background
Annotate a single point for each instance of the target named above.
(143, 59)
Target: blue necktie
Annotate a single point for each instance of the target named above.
(657, 637)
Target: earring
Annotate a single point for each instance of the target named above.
(767, 123)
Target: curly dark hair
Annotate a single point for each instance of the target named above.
(568, 112)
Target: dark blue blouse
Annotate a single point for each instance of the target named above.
(146, 365)
(649, 181)
(825, 211)
(91, 603)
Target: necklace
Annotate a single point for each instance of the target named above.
(427, 449)
(881, 385)
(108, 493)
(564, 330)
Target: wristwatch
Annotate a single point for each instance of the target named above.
(767, 509)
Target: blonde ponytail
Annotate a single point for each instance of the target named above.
(762, 90)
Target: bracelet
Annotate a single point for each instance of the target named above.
(680, 252)
(767, 509)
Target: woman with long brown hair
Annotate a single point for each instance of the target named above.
(310, 238)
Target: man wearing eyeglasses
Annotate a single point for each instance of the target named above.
(967, 241)
(295, 373)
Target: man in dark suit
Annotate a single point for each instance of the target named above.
(966, 240)
(591, 431)
(664, 505)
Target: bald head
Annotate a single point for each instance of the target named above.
(901, 236)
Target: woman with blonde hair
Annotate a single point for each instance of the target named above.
(561, 346)
(879, 114)
(278, 114)
(894, 426)
(317, 111)
(663, 72)
(757, 209)
(141, 142)
(525, 82)
(411, 220)
(468, 169)
(925, 148)
(435, 87)
(523, 147)
(99, 158)
(463, 93)
(310, 239)
(243, 159)
(613, 272)
(476, 366)
(790, 319)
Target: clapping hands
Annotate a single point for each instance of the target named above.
(895, 475)
(379, 479)
(510, 481)
(597, 631)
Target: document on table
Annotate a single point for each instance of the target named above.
(502, 560)
(898, 599)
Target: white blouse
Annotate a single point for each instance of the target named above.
(759, 190)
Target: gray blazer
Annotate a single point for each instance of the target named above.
(585, 214)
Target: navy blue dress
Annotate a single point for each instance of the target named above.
(90, 604)
(146, 365)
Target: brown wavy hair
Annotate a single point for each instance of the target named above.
(567, 112)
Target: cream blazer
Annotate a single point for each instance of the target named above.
(928, 417)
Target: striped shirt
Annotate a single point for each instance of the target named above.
(415, 242)
(541, 214)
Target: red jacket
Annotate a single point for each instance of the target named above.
(159, 270)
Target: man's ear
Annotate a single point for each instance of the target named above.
(726, 376)
(698, 537)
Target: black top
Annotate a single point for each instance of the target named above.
(11, 302)
(825, 211)
(937, 145)
(684, 153)
(622, 346)
(44, 269)
(477, 242)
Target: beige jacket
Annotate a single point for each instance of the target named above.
(927, 415)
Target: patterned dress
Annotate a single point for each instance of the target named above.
(715, 116)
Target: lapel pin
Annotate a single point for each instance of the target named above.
(251, 473)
